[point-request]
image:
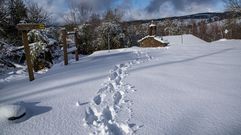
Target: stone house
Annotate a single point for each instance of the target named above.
(152, 40)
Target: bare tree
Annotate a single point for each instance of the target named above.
(79, 13)
(71, 18)
(232, 24)
(233, 5)
(113, 15)
(194, 28)
(203, 30)
(37, 14)
(95, 20)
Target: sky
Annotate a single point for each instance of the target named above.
(135, 9)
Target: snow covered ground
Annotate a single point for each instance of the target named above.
(192, 88)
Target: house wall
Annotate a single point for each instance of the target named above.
(151, 42)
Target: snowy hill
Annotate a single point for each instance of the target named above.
(209, 16)
(192, 88)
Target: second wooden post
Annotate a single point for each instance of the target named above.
(76, 44)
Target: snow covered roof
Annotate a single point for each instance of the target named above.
(157, 38)
(187, 39)
(152, 25)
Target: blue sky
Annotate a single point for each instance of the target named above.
(136, 9)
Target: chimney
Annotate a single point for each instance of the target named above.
(152, 29)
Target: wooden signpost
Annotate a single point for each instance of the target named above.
(25, 27)
(64, 35)
(30, 26)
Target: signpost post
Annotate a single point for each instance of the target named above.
(76, 44)
(64, 35)
(25, 27)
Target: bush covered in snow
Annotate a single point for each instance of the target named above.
(96, 37)
(111, 31)
(6, 56)
(5, 49)
(43, 47)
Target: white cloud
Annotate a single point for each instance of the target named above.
(59, 8)
(56, 8)
(166, 9)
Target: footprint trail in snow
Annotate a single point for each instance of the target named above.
(110, 110)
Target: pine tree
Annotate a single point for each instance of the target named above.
(3, 18)
(233, 5)
(86, 38)
(17, 12)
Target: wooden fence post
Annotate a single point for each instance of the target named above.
(27, 54)
(25, 27)
(76, 43)
(64, 35)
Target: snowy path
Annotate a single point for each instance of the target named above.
(110, 111)
(52, 96)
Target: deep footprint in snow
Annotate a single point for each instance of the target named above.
(106, 115)
(110, 87)
(110, 99)
(119, 71)
(97, 99)
(118, 80)
(117, 97)
(113, 76)
(90, 116)
(101, 90)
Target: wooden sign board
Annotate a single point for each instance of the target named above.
(30, 26)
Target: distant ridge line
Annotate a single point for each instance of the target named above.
(205, 15)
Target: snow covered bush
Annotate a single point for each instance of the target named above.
(6, 55)
(48, 36)
(5, 49)
(36, 49)
(111, 31)
(43, 48)
(5, 66)
(37, 36)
